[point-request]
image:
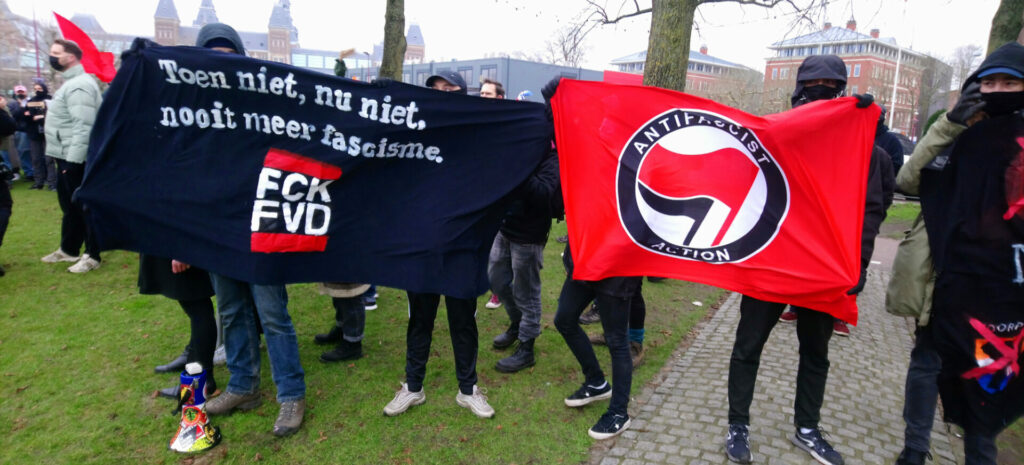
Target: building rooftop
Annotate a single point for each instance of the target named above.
(832, 34)
(694, 57)
(87, 23)
(206, 15)
(414, 36)
(166, 10)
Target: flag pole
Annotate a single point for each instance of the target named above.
(35, 40)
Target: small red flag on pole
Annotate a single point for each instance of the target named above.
(95, 62)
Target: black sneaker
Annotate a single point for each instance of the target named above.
(609, 426)
(587, 394)
(912, 457)
(737, 444)
(817, 446)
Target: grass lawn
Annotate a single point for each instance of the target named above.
(899, 218)
(77, 354)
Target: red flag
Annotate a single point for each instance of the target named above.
(95, 62)
(661, 183)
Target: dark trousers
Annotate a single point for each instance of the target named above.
(614, 313)
(5, 217)
(73, 232)
(921, 395)
(204, 335)
(350, 316)
(461, 325)
(813, 329)
(637, 309)
(43, 169)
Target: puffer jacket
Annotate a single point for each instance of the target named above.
(71, 115)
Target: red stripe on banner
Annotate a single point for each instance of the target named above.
(288, 161)
(277, 242)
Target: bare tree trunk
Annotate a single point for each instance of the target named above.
(394, 40)
(1006, 24)
(668, 49)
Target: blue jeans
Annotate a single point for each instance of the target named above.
(922, 393)
(24, 150)
(236, 302)
(514, 271)
(5, 158)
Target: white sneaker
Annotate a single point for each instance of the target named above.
(219, 356)
(86, 263)
(477, 403)
(404, 399)
(59, 256)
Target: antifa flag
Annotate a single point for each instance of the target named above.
(661, 183)
(273, 174)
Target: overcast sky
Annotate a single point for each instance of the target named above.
(466, 29)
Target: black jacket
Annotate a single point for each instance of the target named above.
(34, 106)
(528, 219)
(881, 184)
(7, 127)
(620, 286)
(891, 144)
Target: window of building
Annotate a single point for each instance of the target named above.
(467, 73)
(775, 73)
(299, 59)
(568, 75)
(784, 73)
(856, 70)
(421, 78)
(371, 77)
(489, 72)
(847, 70)
(853, 90)
(407, 78)
(316, 61)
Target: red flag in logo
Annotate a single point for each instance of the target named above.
(660, 183)
(95, 62)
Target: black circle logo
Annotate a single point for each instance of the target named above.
(696, 185)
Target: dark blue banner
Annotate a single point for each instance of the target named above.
(273, 174)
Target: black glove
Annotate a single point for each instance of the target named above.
(860, 282)
(864, 100)
(969, 104)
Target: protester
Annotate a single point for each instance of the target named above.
(7, 127)
(349, 321)
(517, 254)
(22, 145)
(612, 298)
(69, 120)
(190, 286)
(516, 258)
(492, 89)
(461, 325)
(888, 141)
(33, 119)
(637, 323)
(241, 305)
(959, 167)
(820, 77)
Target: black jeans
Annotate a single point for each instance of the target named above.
(73, 231)
(461, 325)
(350, 316)
(614, 313)
(813, 329)
(921, 395)
(5, 217)
(204, 335)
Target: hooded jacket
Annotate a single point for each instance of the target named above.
(819, 67)
(220, 31)
(32, 127)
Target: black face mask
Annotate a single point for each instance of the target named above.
(20, 96)
(55, 63)
(1002, 103)
(813, 93)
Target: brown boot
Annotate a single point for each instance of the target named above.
(636, 351)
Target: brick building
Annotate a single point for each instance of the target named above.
(871, 63)
(708, 76)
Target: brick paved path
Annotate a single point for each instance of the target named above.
(681, 417)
